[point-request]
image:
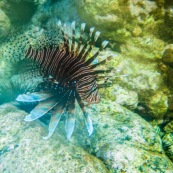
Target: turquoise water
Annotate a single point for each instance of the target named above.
(85, 86)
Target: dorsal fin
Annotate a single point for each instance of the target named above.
(80, 41)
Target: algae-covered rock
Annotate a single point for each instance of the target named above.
(134, 27)
(126, 142)
(23, 149)
(121, 142)
(122, 96)
(167, 139)
(139, 77)
(167, 56)
(159, 100)
(169, 127)
(119, 20)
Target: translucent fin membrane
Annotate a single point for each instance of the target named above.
(84, 52)
(88, 123)
(80, 38)
(55, 118)
(96, 36)
(73, 36)
(41, 109)
(69, 125)
(34, 97)
(65, 56)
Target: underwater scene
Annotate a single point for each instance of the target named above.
(86, 86)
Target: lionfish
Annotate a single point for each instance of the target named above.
(63, 59)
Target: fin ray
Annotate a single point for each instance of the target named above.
(41, 109)
(55, 118)
(34, 97)
(69, 125)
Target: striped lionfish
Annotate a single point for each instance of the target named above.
(63, 59)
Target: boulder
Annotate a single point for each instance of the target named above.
(121, 142)
(22, 148)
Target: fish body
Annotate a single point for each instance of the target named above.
(61, 58)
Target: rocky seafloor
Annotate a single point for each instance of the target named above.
(133, 125)
(122, 142)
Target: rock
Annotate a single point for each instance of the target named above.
(167, 139)
(118, 20)
(169, 127)
(167, 71)
(121, 142)
(168, 144)
(160, 101)
(169, 13)
(121, 96)
(130, 27)
(136, 71)
(23, 149)
(122, 138)
(167, 56)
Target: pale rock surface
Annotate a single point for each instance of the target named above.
(121, 142)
